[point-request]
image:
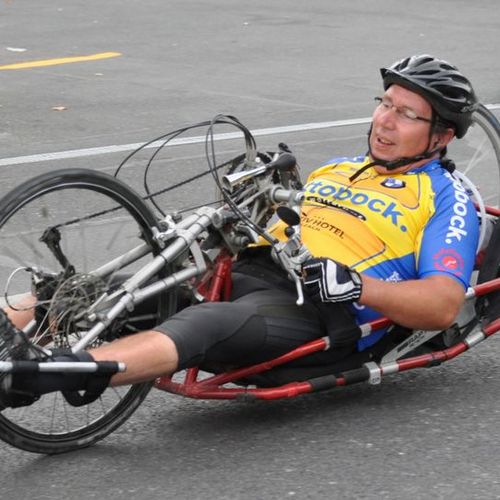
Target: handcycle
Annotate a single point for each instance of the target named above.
(93, 260)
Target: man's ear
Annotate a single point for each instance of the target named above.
(442, 139)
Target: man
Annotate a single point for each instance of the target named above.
(393, 234)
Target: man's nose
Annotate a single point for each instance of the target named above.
(386, 118)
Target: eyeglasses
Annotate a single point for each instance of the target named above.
(407, 114)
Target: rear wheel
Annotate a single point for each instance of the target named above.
(477, 155)
(56, 233)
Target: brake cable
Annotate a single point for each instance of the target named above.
(251, 153)
(211, 159)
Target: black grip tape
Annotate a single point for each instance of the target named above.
(108, 367)
(354, 376)
(323, 383)
(25, 366)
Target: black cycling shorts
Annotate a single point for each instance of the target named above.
(261, 321)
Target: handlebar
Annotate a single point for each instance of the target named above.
(252, 195)
(107, 367)
(280, 195)
(284, 162)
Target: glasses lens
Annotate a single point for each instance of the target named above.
(403, 112)
(408, 113)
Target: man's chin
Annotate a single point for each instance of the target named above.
(381, 170)
(374, 157)
(385, 154)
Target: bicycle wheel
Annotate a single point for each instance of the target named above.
(95, 219)
(477, 155)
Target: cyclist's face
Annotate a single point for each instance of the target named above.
(394, 135)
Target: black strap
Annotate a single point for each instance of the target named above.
(339, 323)
(257, 262)
(96, 385)
(338, 320)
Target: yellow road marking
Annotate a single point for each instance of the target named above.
(61, 60)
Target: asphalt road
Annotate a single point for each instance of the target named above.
(424, 434)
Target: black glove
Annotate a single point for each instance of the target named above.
(326, 280)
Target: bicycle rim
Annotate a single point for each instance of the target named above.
(98, 219)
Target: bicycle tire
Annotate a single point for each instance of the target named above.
(41, 194)
(488, 307)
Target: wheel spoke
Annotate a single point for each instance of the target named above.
(477, 155)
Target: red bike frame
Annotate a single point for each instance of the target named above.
(218, 287)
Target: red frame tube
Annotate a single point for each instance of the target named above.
(218, 287)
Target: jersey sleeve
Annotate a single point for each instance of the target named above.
(449, 241)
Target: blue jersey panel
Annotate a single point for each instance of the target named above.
(449, 241)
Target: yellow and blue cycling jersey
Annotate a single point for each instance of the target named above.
(392, 227)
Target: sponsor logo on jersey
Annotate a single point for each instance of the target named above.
(392, 183)
(395, 277)
(329, 203)
(329, 191)
(456, 225)
(448, 260)
(319, 223)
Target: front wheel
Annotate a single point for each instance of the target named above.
(57, 232)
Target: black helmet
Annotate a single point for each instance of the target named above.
(450, 94)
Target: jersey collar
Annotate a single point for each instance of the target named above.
(434, 164)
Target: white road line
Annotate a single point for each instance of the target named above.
(80, 153)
